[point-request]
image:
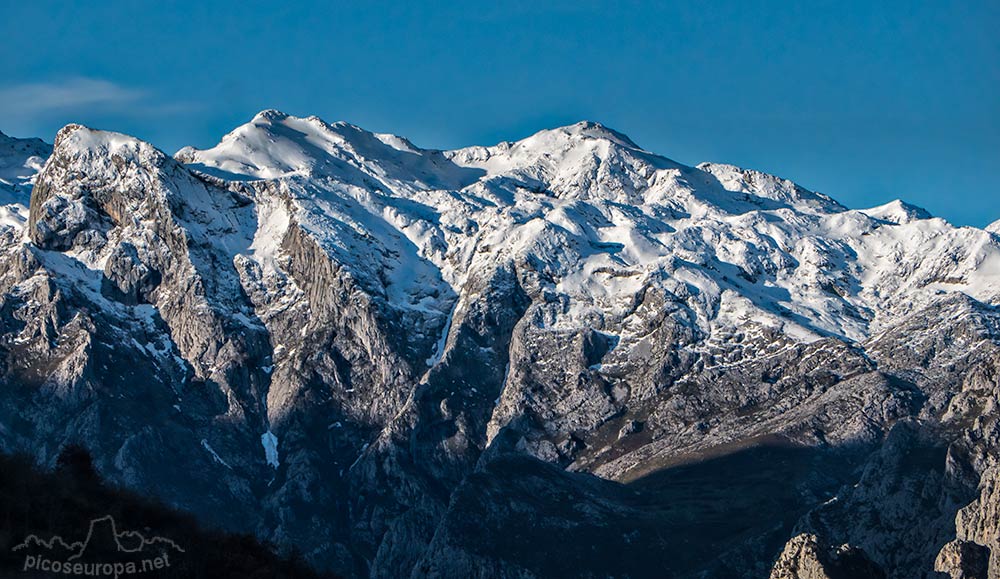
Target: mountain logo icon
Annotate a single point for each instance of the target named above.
(105, 551)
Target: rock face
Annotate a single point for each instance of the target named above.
(975, 552)
(565, 356)
(963, 560)
(804, 558)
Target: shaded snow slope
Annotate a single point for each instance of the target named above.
(20, 161)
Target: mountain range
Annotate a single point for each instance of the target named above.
(561, 356)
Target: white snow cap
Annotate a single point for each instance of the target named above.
(594, 130)
(898, 212)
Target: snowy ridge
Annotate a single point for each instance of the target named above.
(351, 190)
(600, 219)
(594, 218)
(898, 212)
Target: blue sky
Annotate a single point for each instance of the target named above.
(864, 101)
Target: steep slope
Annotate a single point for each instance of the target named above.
(352, 343)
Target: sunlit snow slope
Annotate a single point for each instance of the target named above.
(604, 219)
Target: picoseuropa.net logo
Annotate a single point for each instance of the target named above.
(105, 552)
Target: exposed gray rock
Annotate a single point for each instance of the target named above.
(126, 278)
(805, 558)
(963, 560)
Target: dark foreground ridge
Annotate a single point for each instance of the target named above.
(70, 514)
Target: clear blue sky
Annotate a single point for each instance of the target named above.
(866, 101)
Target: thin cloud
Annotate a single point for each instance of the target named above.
(32, 100)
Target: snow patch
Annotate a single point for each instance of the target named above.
(218, 459)
(270, 443)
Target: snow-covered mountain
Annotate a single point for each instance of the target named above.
(608, 218)
(358, 347)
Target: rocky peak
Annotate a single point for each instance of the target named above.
(93, 176)
(269, 115)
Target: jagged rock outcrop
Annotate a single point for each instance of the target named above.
(805, 558)
(963, 560)
(364, 350)
(975, 551)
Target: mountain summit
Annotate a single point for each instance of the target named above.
(545, 358)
